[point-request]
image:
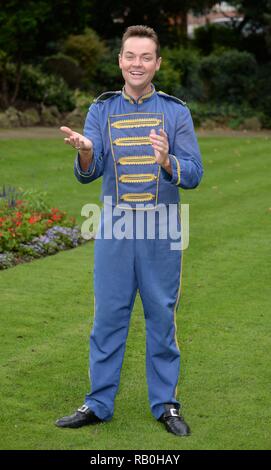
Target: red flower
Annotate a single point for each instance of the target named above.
(56, 217)
(33, 219)
(19, 202)
(18, 223)
(19, 214)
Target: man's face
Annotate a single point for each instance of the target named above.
(138, 62)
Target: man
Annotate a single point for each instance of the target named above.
(143, 144)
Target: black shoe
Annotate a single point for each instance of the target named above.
(82, 417)
(174, 422)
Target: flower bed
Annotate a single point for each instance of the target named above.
(29, 229)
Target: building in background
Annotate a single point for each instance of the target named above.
(221, 12)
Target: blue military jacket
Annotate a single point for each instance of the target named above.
(119, 128)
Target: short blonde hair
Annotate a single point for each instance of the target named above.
(141, 31)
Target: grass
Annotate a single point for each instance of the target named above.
(223, 320)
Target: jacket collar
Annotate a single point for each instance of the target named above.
(141, 98)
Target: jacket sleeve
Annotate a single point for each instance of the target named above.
(185, 158)
(93, 132)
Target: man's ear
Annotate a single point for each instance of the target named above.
(119, 57)
(158, 63)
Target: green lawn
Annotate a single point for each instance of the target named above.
(223, 320)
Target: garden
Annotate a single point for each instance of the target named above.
(46, 267)
(223, 322)
(29, 229)
(223, 71)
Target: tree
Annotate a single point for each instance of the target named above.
(176, 12)
(30, 29)
(168, 18)
(18, 23)
(255, 14)
(256, 17)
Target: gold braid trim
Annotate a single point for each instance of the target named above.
(137, 160)
(131, 123)
(137, 197)
(137, 178)
(129, 141)
(178, 170)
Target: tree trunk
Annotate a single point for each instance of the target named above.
(183, 25)
(179, 23)
(18, 80)
(4, 102)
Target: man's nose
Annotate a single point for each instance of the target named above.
(137, 61)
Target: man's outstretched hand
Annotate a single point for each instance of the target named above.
(77, 140)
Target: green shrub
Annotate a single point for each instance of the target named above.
(82, 100)
(229, 77)
(167, 79)
(185, 64)
(86, 49)
(108, 74)
(262, 100)
(25, 215)
(38, 87)
(212, 36)
(222, 114)
(64, 66)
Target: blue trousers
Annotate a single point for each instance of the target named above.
(121, 268)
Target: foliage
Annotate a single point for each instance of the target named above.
(55, 239)
(45, 22)
(229, 76)
(68, 51)
(167, 78)
(38, 87)
(181, 67)
(64, 66)
(211, 36)
(222, 114)
(256, 15)
(86, 49)
(108, 74)
(83, 100)
(30, 228)
(32, 29)
(263, 98)
(168, 18)
(21, 220)
(20, 21)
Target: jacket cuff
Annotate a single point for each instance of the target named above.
(90, 169)
(175, 178)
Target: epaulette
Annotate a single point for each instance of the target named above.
(174, 98)
(107, 94)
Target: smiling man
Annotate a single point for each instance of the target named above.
(138, 61)
(142, 142)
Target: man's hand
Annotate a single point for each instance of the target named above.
(161, 149)
(82, 144)
(77, 140)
